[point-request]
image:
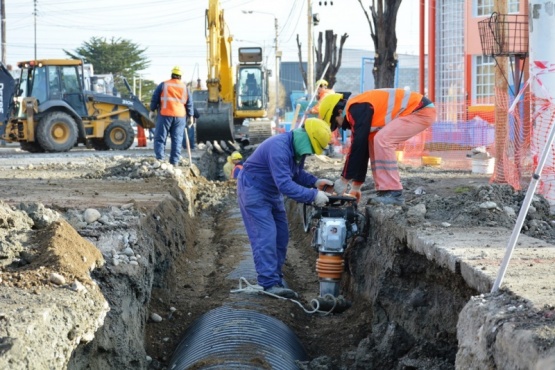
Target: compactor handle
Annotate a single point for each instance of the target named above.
(340, 200)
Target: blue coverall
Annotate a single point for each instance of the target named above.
(174, 126)
(267, 175)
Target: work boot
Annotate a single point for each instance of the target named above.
(394, 197)
(281, 291)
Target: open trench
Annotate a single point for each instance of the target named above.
(404, 307)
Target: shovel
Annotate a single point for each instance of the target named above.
(192, 168)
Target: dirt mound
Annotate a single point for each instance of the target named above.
(56, 249)
(492, 205)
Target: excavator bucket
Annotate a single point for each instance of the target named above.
(215, 123)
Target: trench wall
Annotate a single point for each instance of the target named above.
(428, 303)
(163, 233)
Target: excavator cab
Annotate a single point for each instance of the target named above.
(250, 89)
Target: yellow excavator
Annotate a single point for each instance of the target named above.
(234, 105)
(47, 109)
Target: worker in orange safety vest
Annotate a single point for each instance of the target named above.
(321, 93)
(173, 102)
(237, 160)
(379, 120)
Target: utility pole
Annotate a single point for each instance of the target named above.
(35, 14)
(310, 63)
(277, 67)
(501, 114)
(3, 16)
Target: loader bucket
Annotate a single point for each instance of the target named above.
(215, 123)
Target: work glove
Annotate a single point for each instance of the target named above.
(340, 185)
(152, 116)
(354, 191)
(321, 199)
(190, 122)
(324, 185)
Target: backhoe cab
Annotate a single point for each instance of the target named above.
(51, 111)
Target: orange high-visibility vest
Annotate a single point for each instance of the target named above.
(388, 104)
(173, 98)
(237, 166)
(316, 108)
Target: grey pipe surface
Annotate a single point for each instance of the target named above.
(229, 338)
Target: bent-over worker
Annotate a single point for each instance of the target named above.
(379, 120)
(275, 169)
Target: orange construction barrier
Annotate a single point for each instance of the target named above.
(141, 137)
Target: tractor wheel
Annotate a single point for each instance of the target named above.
(57, 132)
(33, 147)
(119, 135)
(99, 144)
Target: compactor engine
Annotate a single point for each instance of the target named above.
(336, 227)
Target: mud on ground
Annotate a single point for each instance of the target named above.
(197, 279)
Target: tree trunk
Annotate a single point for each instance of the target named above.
(382, 30)
(326, 53)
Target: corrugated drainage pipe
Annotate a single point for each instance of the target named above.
(228, 338)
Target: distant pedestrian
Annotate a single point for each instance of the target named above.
(173, 102)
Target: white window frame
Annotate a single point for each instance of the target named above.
(484, 91)
(484, 8)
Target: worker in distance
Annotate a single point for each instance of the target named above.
(173, 102)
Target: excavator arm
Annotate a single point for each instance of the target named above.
(220, 70)
(215, 106)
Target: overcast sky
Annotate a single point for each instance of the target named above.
(173, 31)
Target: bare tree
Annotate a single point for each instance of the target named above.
(382, 30)
(327, 52)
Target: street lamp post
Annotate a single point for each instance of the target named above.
(309, 62)
(277, 53)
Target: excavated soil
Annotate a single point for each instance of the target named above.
(202, 240)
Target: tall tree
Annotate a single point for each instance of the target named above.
(120, 57)
(117, 56)
(382, 30)
(330, 54)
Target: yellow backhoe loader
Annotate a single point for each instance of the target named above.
(234, 106)
(49, 110)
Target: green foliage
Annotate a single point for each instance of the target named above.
(462, 189)
(117, 56)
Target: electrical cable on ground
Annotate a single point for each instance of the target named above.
(257, 289)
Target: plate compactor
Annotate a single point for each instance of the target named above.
(336, 227)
